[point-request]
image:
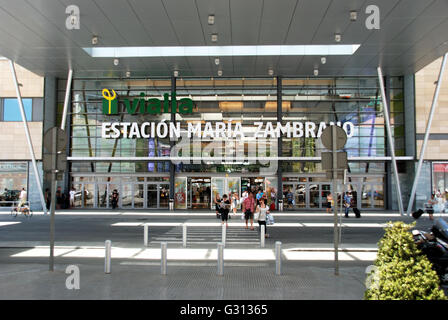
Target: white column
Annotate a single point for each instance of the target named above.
(428, 129)
(278, 258)
(184, 235)
(390, 140)
(145, 234)
(262, 235)
(107, 255)
(223, 234)
(67, 95)
(28, 137)
(163, 257)
(220, 259)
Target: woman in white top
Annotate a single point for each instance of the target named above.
(262, 210)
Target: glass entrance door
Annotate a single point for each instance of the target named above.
(127, 197)
(300, 196)
(138, 192)
(288, 196)
(164, 194)
(199, 193)
(218, 187)
(180, 193)
(102, 195)
(89, 192)
(151, 196)
(223, 186)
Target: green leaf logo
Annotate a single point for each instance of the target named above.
(110, 102)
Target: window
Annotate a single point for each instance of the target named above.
(11, 111)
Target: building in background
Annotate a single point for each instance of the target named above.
(312, 63)
(15, 159)
(434, 175)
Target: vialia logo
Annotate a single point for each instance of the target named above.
(141, 105)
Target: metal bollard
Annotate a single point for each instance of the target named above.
(262, 235)
(184, 235)
(107, 256)
(223, 235)
(145, 235)
(278, 258)
(220, 259)
(163, 258)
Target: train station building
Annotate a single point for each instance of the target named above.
(176, 101)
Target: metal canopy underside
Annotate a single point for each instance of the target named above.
(412, 34)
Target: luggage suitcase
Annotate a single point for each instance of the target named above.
(357, 212)
(417, 213)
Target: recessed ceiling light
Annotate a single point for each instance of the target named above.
(337, 37)
(211, 19)
(353, 15)
(116, 61)
(217, 61)
(323, 60)
(215, 37)
(219, 72)
(94, 40)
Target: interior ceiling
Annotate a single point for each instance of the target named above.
(412, 34)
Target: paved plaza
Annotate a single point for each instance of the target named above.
(249, 269)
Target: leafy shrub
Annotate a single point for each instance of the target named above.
(402, 272)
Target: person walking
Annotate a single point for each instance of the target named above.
(430, 207)
(47, 198)
(347, 203)
(248, 209)
(59, 199)
(217, 202)
(273, 197)
(235, 201)
(290, 198)
(72, 197)
(225, 209)
(244, 195)
(115, 198)
(329, 202)
(22, 198)
(263, 211)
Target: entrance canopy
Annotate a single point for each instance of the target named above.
(411, 34)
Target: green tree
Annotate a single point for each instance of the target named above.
(401, 271)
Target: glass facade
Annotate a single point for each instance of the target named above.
(13, 177)
(243, 101)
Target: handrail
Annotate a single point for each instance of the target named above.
(14, 203)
